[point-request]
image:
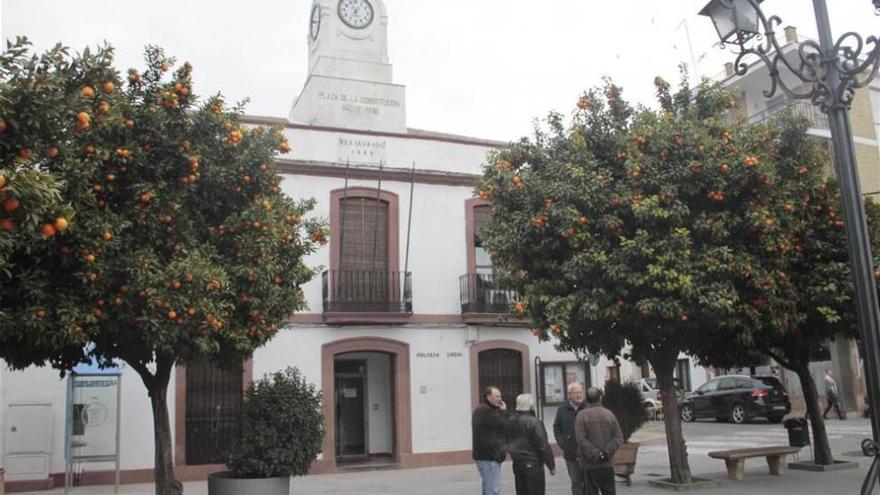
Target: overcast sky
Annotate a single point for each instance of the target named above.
(482, 68)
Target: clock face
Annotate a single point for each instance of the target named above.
(356, 14)
(315, 25)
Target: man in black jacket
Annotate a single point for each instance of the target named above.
(489, 451)
(563, 430)
(528, 447)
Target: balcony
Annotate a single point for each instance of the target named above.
(483, 300)
(818, 120)
(366, 296)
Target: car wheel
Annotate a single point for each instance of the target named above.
(775, 419)
(687, 414)
(738, 414)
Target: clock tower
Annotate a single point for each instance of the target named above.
(350, 78)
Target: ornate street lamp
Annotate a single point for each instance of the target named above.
(827, 74)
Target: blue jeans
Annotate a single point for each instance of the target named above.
(490, 471)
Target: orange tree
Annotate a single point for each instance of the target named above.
(620, 228)
(794, 284)
(170, 240)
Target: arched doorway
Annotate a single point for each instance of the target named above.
(366, 386)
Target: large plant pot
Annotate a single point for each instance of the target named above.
(625, 461)
(223, 483)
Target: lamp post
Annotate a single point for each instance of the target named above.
(827, 73)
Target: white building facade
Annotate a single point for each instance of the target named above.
(405, 325)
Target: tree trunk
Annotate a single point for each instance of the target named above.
(821, 447)
(679, 469)
(157, 388)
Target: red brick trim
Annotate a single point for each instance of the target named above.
(476, 349)
(390, 174)
(412, 134)
(402, 407)
(366, 318)
(470, 231)
(35, 485)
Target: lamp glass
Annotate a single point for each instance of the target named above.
(736, 21)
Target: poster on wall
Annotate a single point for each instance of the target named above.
(554, 388)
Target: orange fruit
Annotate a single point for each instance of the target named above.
(6, 224)
(175, 284)
(172, 315)
(11, 204)
(106, 236)
(108, 86)
(52, 152)
(104, 107)
(24, 153)
(2, 182)
(129, 123)
(88, 91)
(2, 126)
(60, 224)
(47, 230)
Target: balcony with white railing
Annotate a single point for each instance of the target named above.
(818, 120)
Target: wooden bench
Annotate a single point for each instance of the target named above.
(735, 459)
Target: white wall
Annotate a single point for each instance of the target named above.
(437, 239)
(443, 156)
(43, 385)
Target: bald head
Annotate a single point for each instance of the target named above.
(575, 393)
(593, 395)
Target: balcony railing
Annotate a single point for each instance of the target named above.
(481, 293)
(367, 291)
(818, 120)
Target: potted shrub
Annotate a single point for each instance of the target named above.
(626, 402)
(281, 435)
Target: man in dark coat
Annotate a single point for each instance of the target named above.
(487, 423)
(563, 430)
(528, 447)
(598, 438)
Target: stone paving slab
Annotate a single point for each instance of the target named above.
(463, 479)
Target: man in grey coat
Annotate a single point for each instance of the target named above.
(598, 437)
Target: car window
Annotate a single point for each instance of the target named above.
(709, 386)
(727, 384)
(744, 383)
(769, 381)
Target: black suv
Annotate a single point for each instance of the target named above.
(738, 399)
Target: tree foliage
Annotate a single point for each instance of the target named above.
(622, 229)
(627, 404)
(282, 427)
(795, 279)
(163, 236)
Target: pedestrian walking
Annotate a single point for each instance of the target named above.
(598, 437)
(528, 448)
(563, 430)
(831, 396)
(488, 439)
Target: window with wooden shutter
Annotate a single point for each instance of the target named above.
(364, 236)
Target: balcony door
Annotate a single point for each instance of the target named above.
(363, 280)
